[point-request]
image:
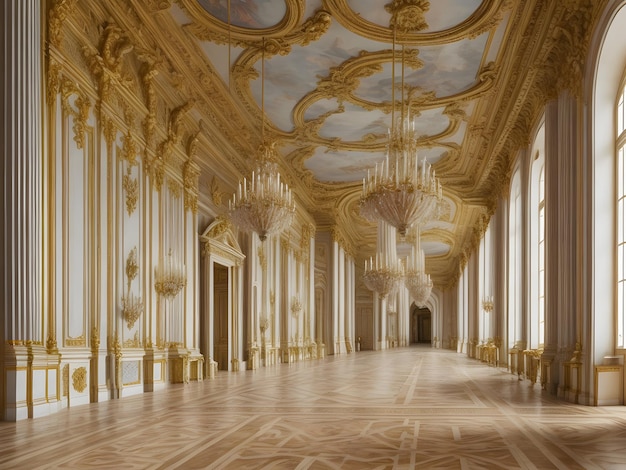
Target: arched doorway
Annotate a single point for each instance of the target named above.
(421, 325)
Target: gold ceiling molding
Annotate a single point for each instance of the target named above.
(209, 28)
(56, 17)
(486, 17)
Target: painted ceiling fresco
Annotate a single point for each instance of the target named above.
(322, 72)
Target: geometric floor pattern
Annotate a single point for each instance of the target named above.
(402, 408)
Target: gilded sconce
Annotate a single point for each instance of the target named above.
(132, 306)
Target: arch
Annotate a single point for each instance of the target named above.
(602, 81)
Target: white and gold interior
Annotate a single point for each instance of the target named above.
(129, 124)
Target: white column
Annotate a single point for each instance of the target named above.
(562, 322)
(21, 206)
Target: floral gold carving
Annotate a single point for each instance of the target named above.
(129, 149)
(79, 379)
(132, 268)
(131, 187)
(132, 305)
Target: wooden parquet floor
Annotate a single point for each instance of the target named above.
(397, 409)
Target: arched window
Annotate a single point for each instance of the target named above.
(621, 218)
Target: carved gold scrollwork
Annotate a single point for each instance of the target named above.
(131, 187)
(58, 13)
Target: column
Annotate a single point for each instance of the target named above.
(561, 238)
(30, 375)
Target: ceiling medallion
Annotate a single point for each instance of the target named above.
(408, 15)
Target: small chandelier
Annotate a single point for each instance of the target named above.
(384, 273)
(401, 191)
(263, 204)
(488, 304)
(416, 281)
(169, 277)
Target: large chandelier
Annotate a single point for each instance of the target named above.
(383, 273)
(417, 282)
(401, 190)
(263, 204)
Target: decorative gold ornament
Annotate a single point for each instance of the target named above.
(131, 187)
(488, 304)
(132, 268)
(132, 306)
(296, 306)
(79, 379)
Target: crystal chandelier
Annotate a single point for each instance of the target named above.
(401, 190)
(384, 273)
(488, 304)
(263, 204)
(416, 281)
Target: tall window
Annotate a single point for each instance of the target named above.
(621, 220)
(515, 261)
(541, 261)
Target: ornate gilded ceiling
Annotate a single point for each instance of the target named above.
(475, 79)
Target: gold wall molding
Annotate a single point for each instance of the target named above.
(78, 341)
(79, 379)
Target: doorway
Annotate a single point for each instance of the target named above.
(421, 325)
(220, 317)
